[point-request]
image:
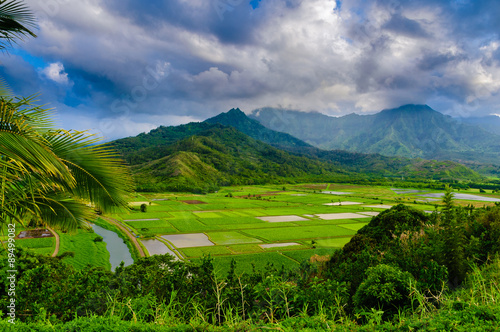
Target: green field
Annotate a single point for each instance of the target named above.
(246, 263)
(226, 238)
(232, 223)
(86, 251)
(44, 246)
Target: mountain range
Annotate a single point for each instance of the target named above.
(408, 131)
(490, 123)
(232, 148)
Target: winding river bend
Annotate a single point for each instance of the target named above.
(118, 250)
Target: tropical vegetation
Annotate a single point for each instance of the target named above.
(405, 270)
(16, 23)
(49, 176)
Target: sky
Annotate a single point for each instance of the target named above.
(122, 67)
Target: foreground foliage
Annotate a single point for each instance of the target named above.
(403, 271)
(47, 175)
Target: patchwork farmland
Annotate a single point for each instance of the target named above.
(255, 226)
(262, 225)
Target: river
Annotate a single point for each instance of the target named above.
(118, 250)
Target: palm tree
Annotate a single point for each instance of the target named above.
(16, 22)
(49, 175)
(53, 175)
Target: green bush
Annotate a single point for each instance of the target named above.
(386, 288)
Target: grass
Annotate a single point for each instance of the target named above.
(225, 238)
(43, 246)
(149, 224)
(337, 242)
(147, 215)
(44, 251)
(87, 252)
(205, 251)
(211, 215)
(354, 227)
(36, 243)
(246, 263)
(302, 255)
(318, 221)
(157, 231)
(284, 211)
(245, 248)
(262, 225)
(231, 221)
(297, 233)
(192, 226)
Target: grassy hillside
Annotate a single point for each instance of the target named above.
(223, 156)
(405, 270)
(203, 156)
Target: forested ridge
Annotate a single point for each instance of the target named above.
(231, 149)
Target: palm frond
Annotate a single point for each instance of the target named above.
(23, 147)
(29, 156)
(4, 88)
(21, 114)
(50, 175)
(101, 176)
(16, 21)
(62, 212)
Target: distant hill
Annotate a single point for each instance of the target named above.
(144, 147)
(408, 131)
(224, 156)
(253, 128)
(490, 123)
(203, 156)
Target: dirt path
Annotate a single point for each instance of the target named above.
(127, 232)
(58, 241)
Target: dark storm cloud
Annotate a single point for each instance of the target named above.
(404, 26)
(146, 63)
(433, 61)
(230, 21)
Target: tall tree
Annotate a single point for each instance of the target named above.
(16, 22)
(52, 175)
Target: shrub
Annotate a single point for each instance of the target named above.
(394, 221)
(144, 207)
(386, 288)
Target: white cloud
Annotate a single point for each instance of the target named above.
(55, 72)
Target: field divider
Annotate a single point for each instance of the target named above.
(254, 236)
(172, 225)
(171, 246)
(57, 242)
(290, 258)
(125, 230)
